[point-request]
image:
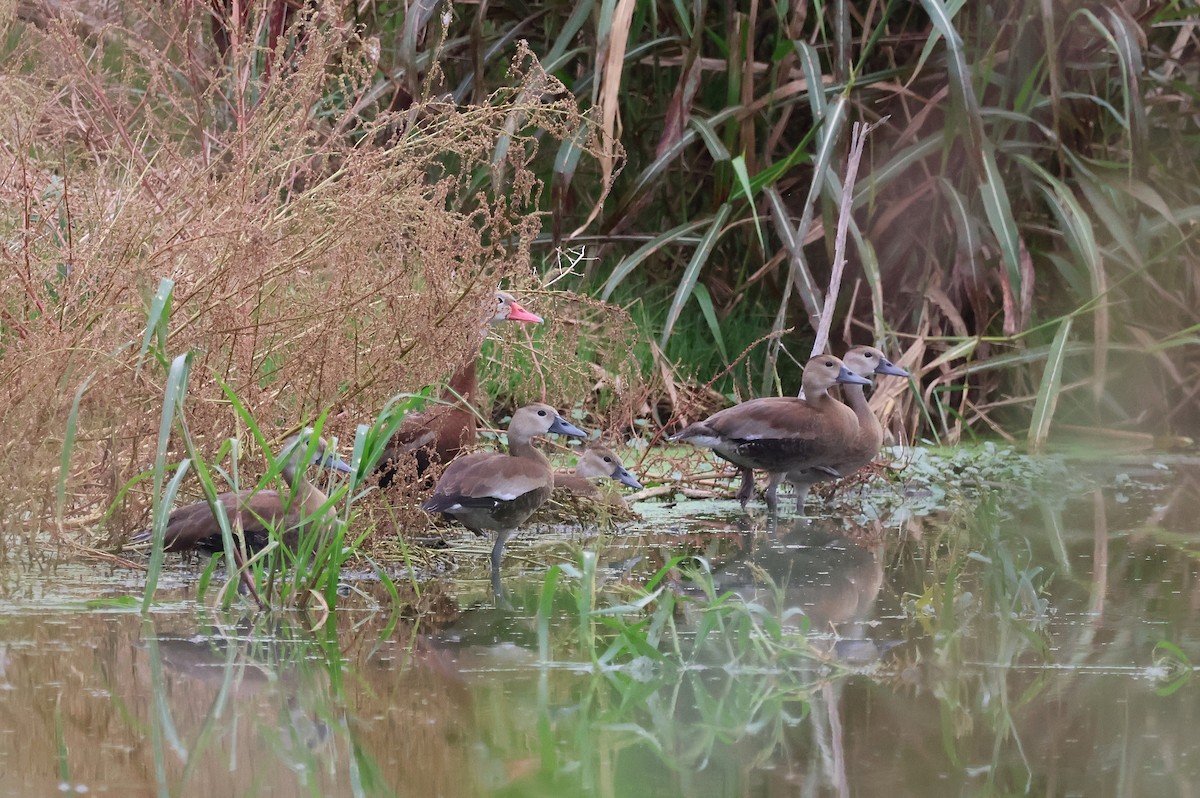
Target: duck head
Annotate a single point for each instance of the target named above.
(600, 462)
(539, 419)
(305, 448)
(867, 360)
(824, 371)
(508, 309)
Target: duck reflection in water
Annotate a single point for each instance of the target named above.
(816, 568)
(273, 675)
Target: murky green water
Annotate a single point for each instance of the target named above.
(1038, 644)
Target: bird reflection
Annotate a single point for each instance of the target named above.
(815, 567)
(252, 663)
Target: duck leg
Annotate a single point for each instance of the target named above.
(747, 487)
(497, 556)
(802, 489)
(770, 493)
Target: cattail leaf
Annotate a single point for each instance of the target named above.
(692, 273)
(704, 299)
(633, 260)
(1000, 218)
(1050, 388)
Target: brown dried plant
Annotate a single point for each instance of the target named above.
(325, 252)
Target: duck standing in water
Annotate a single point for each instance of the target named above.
(442, 432)
(865, 361)
(495, 492)
(783, 434)
(196, 527)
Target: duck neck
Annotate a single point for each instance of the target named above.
(522, 446)
(857, 399)
(463, 383)
(817, 397)
(868, 425)
(306, 494)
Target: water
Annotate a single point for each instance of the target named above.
(1041, 644)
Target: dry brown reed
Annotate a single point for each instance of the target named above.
(325, 253)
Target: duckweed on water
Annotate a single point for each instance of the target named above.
(925, 481)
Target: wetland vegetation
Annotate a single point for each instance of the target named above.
(227, 222)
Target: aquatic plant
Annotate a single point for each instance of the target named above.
(629, 628)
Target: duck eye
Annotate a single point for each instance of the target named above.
(541, 412)
(608, 459)
(829, 363)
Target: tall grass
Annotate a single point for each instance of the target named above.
(304, 573)
(312, 246)
(333, 203)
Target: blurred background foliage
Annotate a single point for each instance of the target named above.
(1024, 226)
(661, 179)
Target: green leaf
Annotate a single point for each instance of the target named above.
(710, 316)
(960, 77)
(692, 273)
(1048, 392)
(156, 321)
(739, 168)
(176, 392)
(632, 261)
(68, 448)
(1000, 218)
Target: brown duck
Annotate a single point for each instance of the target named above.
(865, 361)
(597, 463)
(783, 434)
(195, 526)
(441, 433)
(494, 492)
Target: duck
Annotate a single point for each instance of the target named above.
(195, 527)
(496, 492)
(597, 463)
(866, 362)
(782, 434)
(444, 431)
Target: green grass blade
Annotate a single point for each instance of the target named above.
(739, 169)
(579, 16)
(634, 259)
(156, 321)
(960, 78)
(951, 8)
(1000, 218)
(806, 284)
(68, 448)
(710, 316)
(545, 607)
(173, 398)
(692, 273)
(711, 139)
(1048, 392)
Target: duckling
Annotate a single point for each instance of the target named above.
(783, 434)
(490, 491)
(865, 361)
(442, 432)
(195, 526)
